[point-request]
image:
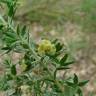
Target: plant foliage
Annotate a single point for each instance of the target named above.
(35, 73)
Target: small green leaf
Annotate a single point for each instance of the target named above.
(70, 83)
(62, 68)
(56, 88)
(7, 63)
(63, 60)
(23, 32)
(11, 7)
(75, 79)
(79, 92)
(1, 26)
(10, 34)
(5, 48)
(9, 40)
(59, 46)
(68, 63)
(8, 77)
(13, 70)
(18, 30)
(83, 83)
(11, 11)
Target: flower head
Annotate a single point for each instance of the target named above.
(46, 46)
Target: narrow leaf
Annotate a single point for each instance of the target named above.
(13, 70)
(23, 32)
(75, 79)
(62, 68)
(18, 30)
(63, 60)
(68, 63)
(59, 47)
(79, 92)
(5, 48)
(83, 83)
(70, 83)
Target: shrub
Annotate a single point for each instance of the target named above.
(38, 64)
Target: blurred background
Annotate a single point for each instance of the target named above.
(72, 21)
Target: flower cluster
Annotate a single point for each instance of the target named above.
(45, 46)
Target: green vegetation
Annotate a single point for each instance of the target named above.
(36, 71)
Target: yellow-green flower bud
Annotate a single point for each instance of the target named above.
(46, 46)
(23, 65)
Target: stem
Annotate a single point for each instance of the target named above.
(56, 81)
